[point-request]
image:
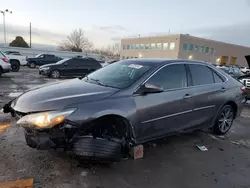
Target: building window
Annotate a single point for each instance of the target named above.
(142, 46)
(159, 46)
(137, 46)
(124, 47)
(128, 47)
(146, 46)
(172, 46)
(133, 46)
(191, 47)
(201, 49)
(206, 50)
(165, 46)
(153, 46)
(185, 46)
(196, 48)
(211, 50)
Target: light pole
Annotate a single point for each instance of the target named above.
(4, 29)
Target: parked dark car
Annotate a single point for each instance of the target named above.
(42, 59)
(128, 103)
(70, 67)
(236, 73)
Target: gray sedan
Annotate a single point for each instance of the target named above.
(128, 103)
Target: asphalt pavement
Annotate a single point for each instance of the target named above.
(170, 163)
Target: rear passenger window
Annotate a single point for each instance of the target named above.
(217, 78)
(170, 77)
(201, 75)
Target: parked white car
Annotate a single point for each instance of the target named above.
(4, 64)
(245, 70)
(16, 60)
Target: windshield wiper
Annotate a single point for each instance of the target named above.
(98, 82)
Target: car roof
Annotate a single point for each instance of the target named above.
(159, 61)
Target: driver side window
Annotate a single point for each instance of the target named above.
(170, 77)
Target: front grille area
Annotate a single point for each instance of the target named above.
(246, 82)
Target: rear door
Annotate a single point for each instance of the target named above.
(209, 92)
(87, 66)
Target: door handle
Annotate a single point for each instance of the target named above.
(187, 96)
(223, 89)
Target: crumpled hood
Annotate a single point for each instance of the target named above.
(59, 95)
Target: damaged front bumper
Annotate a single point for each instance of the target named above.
(59, 136)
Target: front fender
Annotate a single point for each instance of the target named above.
(89, 111)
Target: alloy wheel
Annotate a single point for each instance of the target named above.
(55, 74)
(226, 119)
(32, 65)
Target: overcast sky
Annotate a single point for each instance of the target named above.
(106, 21)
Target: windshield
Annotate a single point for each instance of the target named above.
(118, 75)
(38, 55)
(233, 71)
(62, 61)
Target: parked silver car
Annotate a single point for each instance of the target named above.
(4, 64)
(128, 103)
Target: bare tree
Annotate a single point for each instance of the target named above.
(76, 42)
(113, 50)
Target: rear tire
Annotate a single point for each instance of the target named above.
(97, 150)
(224, 120)
(15, 65)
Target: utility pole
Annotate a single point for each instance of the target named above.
(4, 27)
(30, 35)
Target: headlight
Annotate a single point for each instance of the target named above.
(45, 68)
(45, 119)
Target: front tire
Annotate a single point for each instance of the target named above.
(97, 150)
(224, 120)
(32, 65)
(55, 74)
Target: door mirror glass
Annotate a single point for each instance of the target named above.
(150, 88)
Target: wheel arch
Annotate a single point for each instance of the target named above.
(234, 106)
(16, 60)
(117, 116)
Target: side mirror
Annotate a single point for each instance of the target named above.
(65, 64)
(150, 88)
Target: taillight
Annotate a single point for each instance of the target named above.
(244, 89)
(5, 60)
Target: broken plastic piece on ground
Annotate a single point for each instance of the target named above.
(202, 148)
(26, 183)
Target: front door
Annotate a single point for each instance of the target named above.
(167, 111)
(70, 68)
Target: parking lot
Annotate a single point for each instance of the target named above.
(173, 162)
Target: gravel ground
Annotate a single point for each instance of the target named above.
(173, 162)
